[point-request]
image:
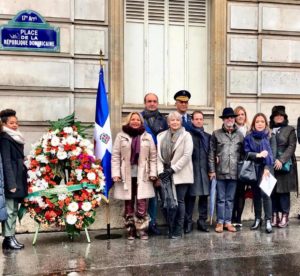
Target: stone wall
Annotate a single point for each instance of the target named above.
(263, 61)
(254, 61)
(44, 86)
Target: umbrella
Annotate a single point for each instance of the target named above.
(212, 200)
(169, 202)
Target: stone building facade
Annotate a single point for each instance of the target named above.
(243, 52)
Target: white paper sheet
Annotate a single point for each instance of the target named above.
(267, 184)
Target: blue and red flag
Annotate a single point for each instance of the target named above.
(102, 132)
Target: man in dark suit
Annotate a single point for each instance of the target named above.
(182, 98)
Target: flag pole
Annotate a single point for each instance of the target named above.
(108, 236)
(107, 209)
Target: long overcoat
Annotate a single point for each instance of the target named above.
(3, 211)
(200, 167)
(286, 142)
(121, 167)
(14, 170)
(181, 161)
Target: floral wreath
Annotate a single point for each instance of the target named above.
(65, 181)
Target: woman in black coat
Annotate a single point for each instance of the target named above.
(287, 179)
(15, 174)
(200, 188)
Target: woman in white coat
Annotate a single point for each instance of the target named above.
(174, 161)
(133, 171)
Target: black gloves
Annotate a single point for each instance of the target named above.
(166, 173)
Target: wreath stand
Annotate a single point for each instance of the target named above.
(38, 226)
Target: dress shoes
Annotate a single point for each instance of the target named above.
(153, 230)
(256, 224)
(219, 228)
(17, 242)
(9, 243)
(268, 226)
(229, 227)
(201, 226)
(188, 228)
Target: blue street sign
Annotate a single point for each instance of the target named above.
(28, 31)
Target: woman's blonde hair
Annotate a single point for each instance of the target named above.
(239, 108)
(128, 118)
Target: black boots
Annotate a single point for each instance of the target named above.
(201, 226)
(11, 243)
(256, 224)
(188, 227)
(268, 226)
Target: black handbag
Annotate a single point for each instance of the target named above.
(247, 171)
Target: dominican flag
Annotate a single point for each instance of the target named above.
(102, 132)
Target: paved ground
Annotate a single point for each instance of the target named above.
(242, 253)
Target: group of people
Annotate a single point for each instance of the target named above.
(175, 159)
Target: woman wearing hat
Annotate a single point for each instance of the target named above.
(285, 166)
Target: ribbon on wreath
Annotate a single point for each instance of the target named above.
(62, 189)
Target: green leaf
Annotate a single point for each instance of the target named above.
(21, 212)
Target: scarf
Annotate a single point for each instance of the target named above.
(199, 131)
(264, 144)
(155, 121)
(168, 143)
(135, 134)
(15, 134)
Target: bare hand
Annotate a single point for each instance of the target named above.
(266, 173)
(116, 179)
(13, 190)
(212, 175)
(277, 165)
(262, 154)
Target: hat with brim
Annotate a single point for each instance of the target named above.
(227, 112)
(182, 95)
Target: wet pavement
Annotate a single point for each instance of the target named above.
(242, 253)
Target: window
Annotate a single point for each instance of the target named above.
(165, 49)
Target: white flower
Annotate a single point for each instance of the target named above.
(41, 202)
(86, 206)
(53, 151)
(85, 143)
(55, 141)
(42, 184)
(73, 206)
(77, 151)
(68, 130)
(61, 155)
(31, 175)
(62, 196)
(42, 158)
(91, 176)
(78, 174)
(71, 219)
(71, 140)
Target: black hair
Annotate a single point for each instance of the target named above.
(6, 113)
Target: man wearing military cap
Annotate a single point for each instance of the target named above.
(182, 103)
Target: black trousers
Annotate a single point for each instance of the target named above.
(281, 202)
(258, 196)
(181, 191)
(239, 202)
(189, 208)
